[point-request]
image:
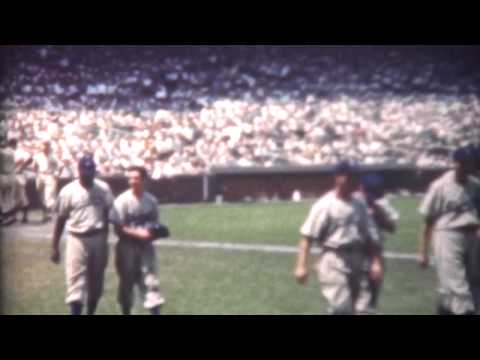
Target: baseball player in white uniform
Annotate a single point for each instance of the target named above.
(133, 214)
(385, 218)
(22, 160)
(48, 172)
(341, 224)
(82, 208)
(452, 223)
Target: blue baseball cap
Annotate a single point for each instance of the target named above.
(87, 164)
(346, 167)
(373, 185)
(463, 154)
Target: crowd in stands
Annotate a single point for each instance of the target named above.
(183, 110)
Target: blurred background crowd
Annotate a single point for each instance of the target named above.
(183, 109)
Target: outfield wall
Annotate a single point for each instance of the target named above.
(240, 184)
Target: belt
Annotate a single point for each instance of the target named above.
(351, 248)
(88, 233)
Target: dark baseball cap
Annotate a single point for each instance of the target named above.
(463, 154)
(87, 164)
(346, 167)
(373, 185)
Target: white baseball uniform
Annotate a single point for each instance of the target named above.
(450, 206)
(21, 180)
(136, 260)
(47, 179)
(343, 229)
(86, 253)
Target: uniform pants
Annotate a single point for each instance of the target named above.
(456, 257)
(340, 274)
(136, 265)
(7, 193)
(21, 198)
(369, 290)
(86, 259)
(47, 189)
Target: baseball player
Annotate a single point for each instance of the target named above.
(82, 208)
(22, 160)
(476, 276)
(134, 215)
(452, 223)
(341, 224)
(48, 172)
(7, 184)
(385, 218)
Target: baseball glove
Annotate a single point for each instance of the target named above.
(159, 231)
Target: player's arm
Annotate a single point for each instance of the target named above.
(374, 248)
(425, 241)
(382, 219)
(301, 269)
(431, 209)
(131, 232)
(57, 233)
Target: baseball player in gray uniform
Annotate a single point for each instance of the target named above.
(452, 223)
(134, 214)
(7, 184)
(385, 218)
(82, 208)
(476, 276)
(346, 232)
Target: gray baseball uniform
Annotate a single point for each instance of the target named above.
(7, 180)
(136, 260)
(450, 206)
(369, 291)
(343, 230)
(86, 253)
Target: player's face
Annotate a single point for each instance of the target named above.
(135, 180)
(346, 183)
(86, 177)
(465, 168)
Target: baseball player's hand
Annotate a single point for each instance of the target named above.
(301, 274)
(376, 271)
(144, 234)
(424, 260)
(55, 256)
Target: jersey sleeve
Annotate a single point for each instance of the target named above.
(316, 223)
(63, 203)
(388, 210)
(109, 197)
(368, 228)
(117, 214)
(155, 211)
(430, 207)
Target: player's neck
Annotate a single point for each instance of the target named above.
(137, 193)
(343, 195)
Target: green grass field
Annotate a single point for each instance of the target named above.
(215, 281)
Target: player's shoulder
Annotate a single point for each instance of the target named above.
(102, 185)
(71, 187)
(324, 201)
(150, 197)
(444, 180)
(124, 196)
